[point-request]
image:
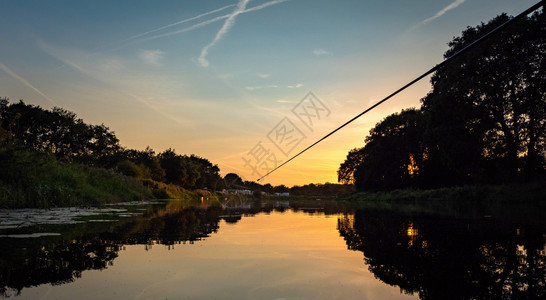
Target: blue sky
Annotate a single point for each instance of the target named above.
(213, 78)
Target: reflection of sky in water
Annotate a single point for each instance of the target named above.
(268, 256)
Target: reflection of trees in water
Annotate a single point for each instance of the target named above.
(28, 262)
(451, 259)
(168, 227)
(58, 260)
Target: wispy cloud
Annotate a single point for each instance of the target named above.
(92, 65)
(155, 108)
(230, 21)
(110, 65)
(253, 88)
(227, 76)
(25, 82)
(98, 69)
(152, 57)
(297, 86)
(273, 86)
(320, 51)
(451, 6)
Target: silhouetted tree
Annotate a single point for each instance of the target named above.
(104, 146)
(393, 155)
(209, 174)
(179, 169)
(345, 173)
(60, 132)
(147, 161)
(233, 181)
(483, 122)
(321, 190)
(487, 108)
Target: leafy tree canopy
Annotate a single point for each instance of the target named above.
(484, 120)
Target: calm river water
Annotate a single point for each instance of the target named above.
(274, 250)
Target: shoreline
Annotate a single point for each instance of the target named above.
(515, 200)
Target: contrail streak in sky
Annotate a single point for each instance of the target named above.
(213, 20)
(453, 5)
(225, 29)
(23, 81)
(179, 22)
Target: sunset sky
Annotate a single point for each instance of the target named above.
(225, 79)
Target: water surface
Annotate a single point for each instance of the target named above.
(272, 251)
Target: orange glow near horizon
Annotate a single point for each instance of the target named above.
(413, 168)
(164, 88)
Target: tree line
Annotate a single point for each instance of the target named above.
(69, 139)
(232, 180)
(483, 122)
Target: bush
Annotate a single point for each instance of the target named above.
(31, 179)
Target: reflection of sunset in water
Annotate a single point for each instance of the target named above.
(267, 255)
(412, 233)
(274, 250)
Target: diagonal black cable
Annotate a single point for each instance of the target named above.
(445, 62)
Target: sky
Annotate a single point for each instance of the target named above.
(244, 83)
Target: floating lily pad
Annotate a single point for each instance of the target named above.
(29, 235)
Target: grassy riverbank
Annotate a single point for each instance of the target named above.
(31, 179)
(470, 201)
